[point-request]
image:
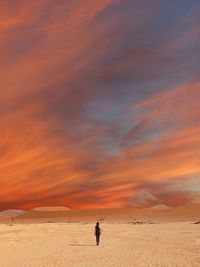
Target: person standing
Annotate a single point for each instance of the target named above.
(97, 233)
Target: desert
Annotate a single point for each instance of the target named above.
(99, 133)
(167, 238)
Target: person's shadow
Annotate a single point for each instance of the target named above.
(82, 245)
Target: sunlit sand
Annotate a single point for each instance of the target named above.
(73, 244)
(58, 237)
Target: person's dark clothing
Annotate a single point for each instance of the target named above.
(97, 239)
(97, 234)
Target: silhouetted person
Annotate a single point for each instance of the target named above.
(97, 233)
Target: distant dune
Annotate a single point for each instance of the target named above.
(160, 207)
(53, 208)
(7, 215)
(156, 214)
(11, 213)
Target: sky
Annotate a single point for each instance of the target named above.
(99, 103)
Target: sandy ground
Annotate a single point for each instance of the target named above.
(59, 245)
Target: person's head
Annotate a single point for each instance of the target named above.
(97, 223)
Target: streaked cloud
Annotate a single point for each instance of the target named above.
(99, 103)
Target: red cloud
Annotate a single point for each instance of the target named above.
(60, 144)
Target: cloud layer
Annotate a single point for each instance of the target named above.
(99, 103)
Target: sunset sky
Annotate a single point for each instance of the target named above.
(99, 103)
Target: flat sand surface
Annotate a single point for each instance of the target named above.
(73, 244)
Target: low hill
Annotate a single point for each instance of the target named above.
(53, 208)
(7, 215)
(183, 213)
(11, 213)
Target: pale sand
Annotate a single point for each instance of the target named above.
(73, 244)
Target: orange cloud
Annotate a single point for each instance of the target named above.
(80, 123)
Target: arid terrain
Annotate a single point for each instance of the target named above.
(73, 244)
(156, 214)
(59, 237)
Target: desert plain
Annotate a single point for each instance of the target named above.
(34, 240)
